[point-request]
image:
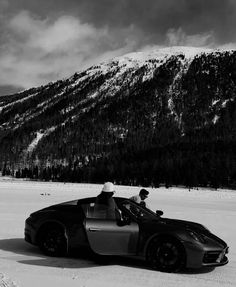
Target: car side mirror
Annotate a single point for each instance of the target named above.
(125, 220)
(159, 212)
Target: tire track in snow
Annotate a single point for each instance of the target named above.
(6, 282)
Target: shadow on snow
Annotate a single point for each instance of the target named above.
(77, 259)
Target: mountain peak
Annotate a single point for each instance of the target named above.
(160, 53)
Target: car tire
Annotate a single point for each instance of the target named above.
(52, 240)
(166, 254)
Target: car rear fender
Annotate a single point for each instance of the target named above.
(49, 224)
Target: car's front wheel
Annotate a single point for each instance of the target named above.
(166, 254)
(52, 240)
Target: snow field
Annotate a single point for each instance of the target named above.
(23, 265)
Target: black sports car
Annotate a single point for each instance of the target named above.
(166, 244)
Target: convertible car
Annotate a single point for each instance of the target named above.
(166, 244)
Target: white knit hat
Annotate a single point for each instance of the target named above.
(108, 187)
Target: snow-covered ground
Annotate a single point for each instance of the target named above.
(24, 265)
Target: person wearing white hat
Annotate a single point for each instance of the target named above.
(108, 187)
(105, 206)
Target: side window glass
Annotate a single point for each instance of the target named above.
(104, 212)
(131, 208)
(88, 209)
(99, 211)
(135, 210)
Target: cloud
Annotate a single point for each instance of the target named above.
(228, 46)
(60, 35)
(4, 4)
(53, 39)
(37, 51)
(177, 37)
(7, 90)
(156, 17)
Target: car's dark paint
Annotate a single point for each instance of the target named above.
(198, 245)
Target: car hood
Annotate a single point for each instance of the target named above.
(177, 223)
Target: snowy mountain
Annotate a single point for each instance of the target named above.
(165, 115)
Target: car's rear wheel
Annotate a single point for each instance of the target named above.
(166, 254)
(52, 240)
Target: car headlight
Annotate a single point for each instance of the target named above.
(197, 236)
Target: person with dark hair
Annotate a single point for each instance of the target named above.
(105, 205)
(140, 198)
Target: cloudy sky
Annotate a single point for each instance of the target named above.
(46, 40)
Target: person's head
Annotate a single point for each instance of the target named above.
(143, 194)
(108, 189)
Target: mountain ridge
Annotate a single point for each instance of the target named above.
(124, 107)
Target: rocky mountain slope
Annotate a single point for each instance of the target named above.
(166, 115)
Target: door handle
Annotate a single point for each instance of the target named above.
(94, 229)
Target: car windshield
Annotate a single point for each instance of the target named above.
(138, 211)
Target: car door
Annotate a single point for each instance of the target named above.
(107, 237)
